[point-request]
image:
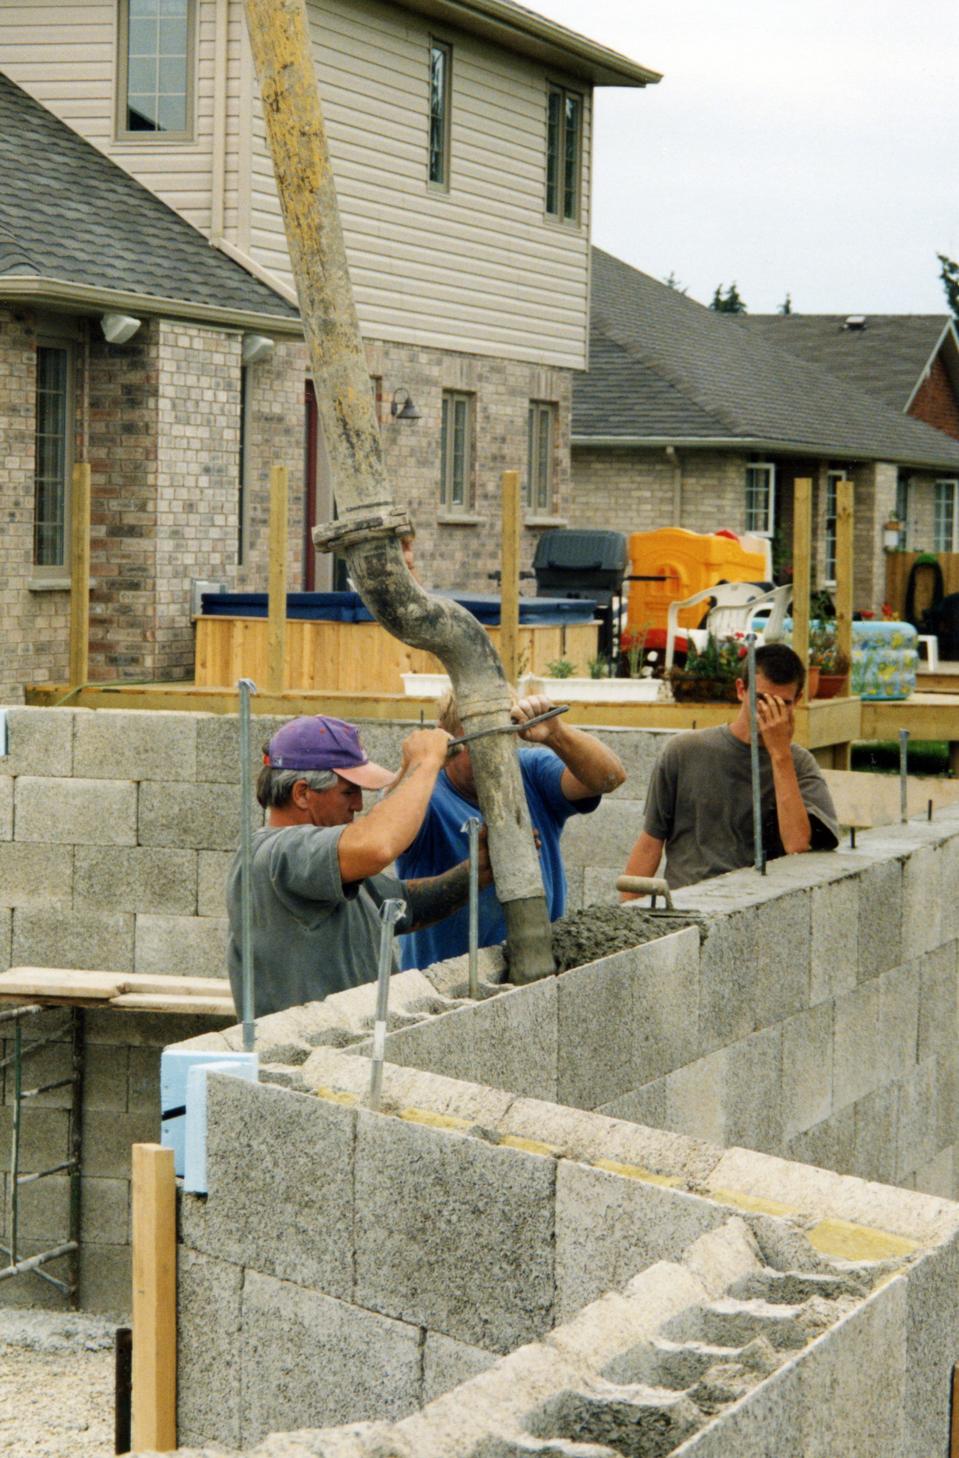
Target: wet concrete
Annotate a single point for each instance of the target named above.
(597, 931)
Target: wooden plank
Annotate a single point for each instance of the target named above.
(845, 494)
(79, 670)
(275, 675)
(509, 575)
(168, 1003)
(60, 982)
(154, 1298)
(926, 716)
(802, 564)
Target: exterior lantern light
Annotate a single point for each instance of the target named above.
(891, 534)
(405, 410)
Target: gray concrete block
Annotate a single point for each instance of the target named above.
(107, 1137)
(44, 936)
(106, 1211)
(728, 977)
(938, 1177)
(6, 807)
(932, 1347)
(36, 1294)
(696, 1098)
(193, 946)
(609, 1227)
(937, 1002)
(143, 1095)
(146, 1030)
(782, 957)
(875, 1135)
(666, 1005)
(218, 745)
(646, 1105)
(45, 1211)
(191, 817)
(76, 812)
(917, 1128)
(136, 878)
(638, 749)
(599, 885)
(604, 838)
(106, 1281)
(921, 901)
(308, 1360)
(209, 1372)
(40, 741)
(834, 952)
(596, 1021)
(456, 1234)
(212, 867)
(447, 1363)
(829, 1145)
(948, 881)
(880, 918)
(6, 938)
(280, 1167)
(856, 1051)
(135, 744)
(43, 1139)
(35, 875)
(42, 1064)
(575, 894)
(807, 1051)
(753, 1092)
(509, 1042)
(899, 1019)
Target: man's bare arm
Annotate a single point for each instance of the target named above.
(369, 845)
(591, 767)
(430, 898)
(795, 831)
(644, 859)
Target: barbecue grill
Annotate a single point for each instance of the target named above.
(583, 564)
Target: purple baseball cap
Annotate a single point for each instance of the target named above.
(319, 743)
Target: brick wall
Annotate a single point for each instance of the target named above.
(935, 401)
(636, 490)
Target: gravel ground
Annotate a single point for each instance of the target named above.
(56, 1385)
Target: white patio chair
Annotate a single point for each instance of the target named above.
(735, 606)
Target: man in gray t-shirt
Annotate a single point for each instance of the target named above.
(699, 802)
(317, 875)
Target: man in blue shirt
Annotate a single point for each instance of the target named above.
(565, 773)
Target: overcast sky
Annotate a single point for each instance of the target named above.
(801, 145)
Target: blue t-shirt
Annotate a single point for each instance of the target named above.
(441, 844)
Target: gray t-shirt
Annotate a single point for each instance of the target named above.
(311, 934)
(700, 803)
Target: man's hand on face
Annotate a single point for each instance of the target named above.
(531, 708)
(775, 720)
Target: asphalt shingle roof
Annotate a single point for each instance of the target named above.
(68, 213)
(685, 372)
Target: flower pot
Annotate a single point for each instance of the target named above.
(595, 690)
(831, 685)
(812, 680)
(425, 685)
(690, 688)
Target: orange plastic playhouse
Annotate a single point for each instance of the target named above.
(671, 564)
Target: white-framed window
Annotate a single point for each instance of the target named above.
(829, 525)
(944, 516)
(456, 450)
(53, 459)
(155, 69)
(564, 152)
(902, 509)
(761, 498)
(539, 457)
(441, 84)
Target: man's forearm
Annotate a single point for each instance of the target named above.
(792, 816)
(433, 897)
(588, 759)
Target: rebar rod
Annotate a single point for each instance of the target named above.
(390, 912)
(904, 775)
(759, 855)
(472, 829)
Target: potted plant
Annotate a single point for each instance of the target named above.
(827, 660)
(710, 672)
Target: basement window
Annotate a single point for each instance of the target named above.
(155, 69)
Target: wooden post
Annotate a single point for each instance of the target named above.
(844, 565)
(802, 564)
(276, 632)
(79, 670)
(509, 576)
(954, 1414)
(154, 1298)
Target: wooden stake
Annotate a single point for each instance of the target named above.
(802, 564)
(844, 565)
(954, 1415)
(276, 634)
(154, 1298)
(80, 576)
(509, 576)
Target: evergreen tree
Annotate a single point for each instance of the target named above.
(786, 307)
(730, 302)
(672, 282)
(949, 274)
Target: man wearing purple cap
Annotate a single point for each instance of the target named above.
(317, 877)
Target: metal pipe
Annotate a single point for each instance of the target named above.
(246, 687)
(759, 855)
(33, 1263)
(903, 775)
(472, 829)
(390, 912)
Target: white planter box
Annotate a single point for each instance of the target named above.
(425, 685)
(594, 690)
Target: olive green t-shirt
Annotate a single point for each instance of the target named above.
(699, 802)
(311, 934)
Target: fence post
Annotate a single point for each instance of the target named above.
(79, 669)
(276, 628)
(509, 577)
(154, 1298)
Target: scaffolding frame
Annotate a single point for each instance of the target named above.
(22, 1050)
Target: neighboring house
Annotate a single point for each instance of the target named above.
(687, 419)
(460, 133)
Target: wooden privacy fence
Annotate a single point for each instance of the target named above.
(898, 567)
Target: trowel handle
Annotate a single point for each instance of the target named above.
(646, 886)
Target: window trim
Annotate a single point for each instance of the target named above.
(534, 502)
(557, 214)
(122, 133)
(448, 506)
(952, 482)
(770, 528)
(441, 184)
(50, 572)
(833, 477)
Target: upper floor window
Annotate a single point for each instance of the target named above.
(156, 68)
(761, 498)
(829, 540)
(441, 61)
(53, 456)
(944, 518)
(564, 149)
(539, 459)
(456, 450)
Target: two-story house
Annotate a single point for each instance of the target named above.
(460, 132)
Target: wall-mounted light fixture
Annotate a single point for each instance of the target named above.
(119, 328)
(405, 411)
(891, 534)
(256, 348)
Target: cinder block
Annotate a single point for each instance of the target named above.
(938, 1177)
(646, 1105)
(76, 812)
(40, 741)
(880, 919)
(666, 1008)
(107, 1137)
(856, 1051)
(280, 1169)
(874, 1135)
(610, 1227)
(36, 1294)
(597, 1033)
(308, 1360)
(937, 1002)
(135, 744)
(604, 838)
(807, 1069)
(753, 1093)
(948, 881)
(575, 893)
(834, 959)
(829, 1145)
(44, 936)
(899, 1019)
(218, 745)
(6, 807)
(6, 938)
(918, 1134)
(190, 817)
(932, 1347)
(106, 1280)
(42, 1065)
(447, 1363)
(106, 1211)
(193, 946)
(35, 875)
(135, 878)
(782, 957)
(728, 969)
(213, 867)
(43, 1139)
(638, 749)
(209, 1372)
(453, 1233)
(696, 1098)
(144, 1081)
(145, 1030)
(45, 1211)
(921, 901)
